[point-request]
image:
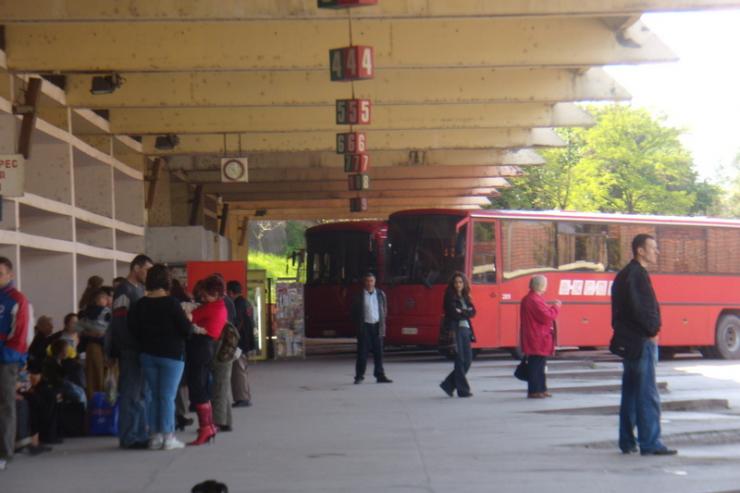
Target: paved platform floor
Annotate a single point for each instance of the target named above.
(312, 430)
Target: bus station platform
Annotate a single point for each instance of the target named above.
(311, 430)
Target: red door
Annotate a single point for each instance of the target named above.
(483, 274)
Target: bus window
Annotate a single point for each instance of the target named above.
(582, 247)
(723, 251)
(425, 249)
(528, 247)
(484, 253)
(682, 249)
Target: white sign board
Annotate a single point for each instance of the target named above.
(12, 173)
(234, 170)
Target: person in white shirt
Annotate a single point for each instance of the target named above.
(368, 313)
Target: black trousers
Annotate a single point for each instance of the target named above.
(368, 339)
(199, 356)
(536, 382)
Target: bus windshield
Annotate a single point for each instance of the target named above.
(425, 249)
(340, 257)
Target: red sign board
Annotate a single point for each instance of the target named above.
(352, 63)
(345, 4)
(356, 163)
(359, 181)
(358, 204)
(353, 111)
(351, 143)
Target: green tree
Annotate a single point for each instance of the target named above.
(731, 199)
(629, 161)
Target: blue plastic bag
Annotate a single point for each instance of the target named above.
(103, 415)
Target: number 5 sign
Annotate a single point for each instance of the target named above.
(353, 111)
(352, 63)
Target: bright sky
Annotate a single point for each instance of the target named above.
(701, 92)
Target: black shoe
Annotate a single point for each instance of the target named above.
(182, 421)
(137, 445)
(224, 428)
(242, 404)
(660, 451)
(359, 380)
(38, 449)
(446, 390)
(628, 451)
(383, 379)
(465, 394)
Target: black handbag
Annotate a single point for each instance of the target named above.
(522, 370)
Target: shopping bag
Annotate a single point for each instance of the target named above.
(103, 415)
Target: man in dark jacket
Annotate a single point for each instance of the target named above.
(245, 323)
(368, 314)
(636, 320)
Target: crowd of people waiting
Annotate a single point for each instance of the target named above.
(145, 343)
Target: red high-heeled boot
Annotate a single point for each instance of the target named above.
(206, 430)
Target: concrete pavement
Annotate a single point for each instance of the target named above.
(312, 430)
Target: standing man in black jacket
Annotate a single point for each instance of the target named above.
(368, 314)
(636, 323)
(245, 323)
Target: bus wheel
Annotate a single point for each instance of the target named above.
(728, 337)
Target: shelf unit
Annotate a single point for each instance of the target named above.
(83, 210)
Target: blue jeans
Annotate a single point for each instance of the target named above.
(163, 378)
(133, 398)
(640, 402)
(463, 359)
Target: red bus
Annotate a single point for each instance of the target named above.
(697, 279)
(338, 255)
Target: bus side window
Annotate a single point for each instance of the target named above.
(484, 253)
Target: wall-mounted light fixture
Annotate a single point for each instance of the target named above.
(105, 84)
(166, 142)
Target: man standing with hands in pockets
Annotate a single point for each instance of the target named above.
(368, 313)
(636, 323)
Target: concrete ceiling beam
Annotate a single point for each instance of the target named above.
(281, 45)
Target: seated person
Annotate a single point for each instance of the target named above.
(54, 374)
(41, 340)
(28, 413)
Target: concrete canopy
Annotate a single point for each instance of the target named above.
(464, 91)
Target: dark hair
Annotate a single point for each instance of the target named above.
(640, 241)
(6, 262)
(59, 347)
(108, 290)
(213, 285)
(234, 287)
(91, 291)
(368, 274)
(68, 317)
(119, 280)
(139, 261)
(178, 291)
(466, 285)
(158, 277)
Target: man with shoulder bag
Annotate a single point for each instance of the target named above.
(636, 323)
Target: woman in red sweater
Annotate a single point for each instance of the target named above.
(209, 320)
(537, 318)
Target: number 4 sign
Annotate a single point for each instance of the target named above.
(352, 63)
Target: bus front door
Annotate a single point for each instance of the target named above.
(485, 291)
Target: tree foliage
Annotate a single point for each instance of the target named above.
(629, 161)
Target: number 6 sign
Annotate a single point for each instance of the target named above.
(351, 143)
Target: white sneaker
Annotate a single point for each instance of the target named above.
(156, 441)
(171, 443)
(3, 464)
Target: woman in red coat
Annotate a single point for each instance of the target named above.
(209, 320)
(538, 343)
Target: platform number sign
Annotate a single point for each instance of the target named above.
(351, 143)
(345, 4)
(359, 181)
(353, 111)
(356, 163)
(352, 63)
(358, 204)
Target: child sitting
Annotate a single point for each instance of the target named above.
(93, 324)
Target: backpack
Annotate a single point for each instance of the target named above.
(227, 344)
